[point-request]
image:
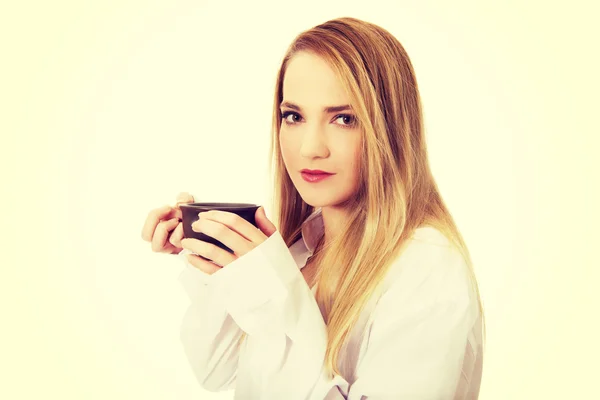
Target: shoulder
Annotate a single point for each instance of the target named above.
(430, 269)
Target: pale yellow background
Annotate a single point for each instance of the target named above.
(109, 108)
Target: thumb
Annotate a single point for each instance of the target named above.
(263, 222)
(184, 197)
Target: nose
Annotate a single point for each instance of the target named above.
(314, 144)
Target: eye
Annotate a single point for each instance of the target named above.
(349, 120)
(286, 114)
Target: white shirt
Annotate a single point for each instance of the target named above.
(420, 339)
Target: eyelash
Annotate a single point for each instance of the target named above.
(286, 114)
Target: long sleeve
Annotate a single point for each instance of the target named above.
(265, 295)
(416, 340)
(208, 333)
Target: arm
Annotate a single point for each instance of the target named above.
(417, 340)
(209, 335)
(248, 295)
(266, 296)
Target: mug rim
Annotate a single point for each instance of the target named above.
(219, 205)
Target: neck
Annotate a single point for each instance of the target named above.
(333, 220)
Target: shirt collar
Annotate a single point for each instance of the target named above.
(312, 230)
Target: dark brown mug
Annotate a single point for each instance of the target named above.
(190, 211)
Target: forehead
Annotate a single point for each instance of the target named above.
(311, 83)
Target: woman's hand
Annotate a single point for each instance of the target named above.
(231, 230)
(163, 227)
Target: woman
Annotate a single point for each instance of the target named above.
(365, 288)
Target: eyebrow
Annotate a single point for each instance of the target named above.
(330, 109)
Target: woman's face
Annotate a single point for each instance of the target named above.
(314, 137)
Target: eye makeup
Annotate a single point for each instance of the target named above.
(352, 124)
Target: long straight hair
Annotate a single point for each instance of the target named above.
(397, 192)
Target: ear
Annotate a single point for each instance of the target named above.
(263, 222)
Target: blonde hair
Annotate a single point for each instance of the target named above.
(397, 192)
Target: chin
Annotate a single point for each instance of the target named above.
(315, 201)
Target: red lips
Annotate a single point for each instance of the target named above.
(315, 171)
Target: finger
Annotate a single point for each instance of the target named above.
(203, 265)
(182, 198)
(177, 212)
(208, 250)
(176, 236)
(236, 224)
(152, 220)
(161, 234)
(185, 197)
(263, 223)
(232, 239)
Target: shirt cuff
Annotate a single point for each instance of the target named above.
(253, 288)
(256, 285)
(193, 280)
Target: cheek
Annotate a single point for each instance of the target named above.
(287, 150)
(355, 160)
(352, 152)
